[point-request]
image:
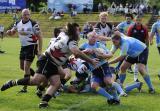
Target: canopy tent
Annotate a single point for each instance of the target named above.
(63, 5)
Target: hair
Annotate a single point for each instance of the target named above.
(72, 31)
(24, 10)
(129, 15)
(90, 34)
(57, 31)
(103, 14)
(116, 36)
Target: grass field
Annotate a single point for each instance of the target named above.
(11, 100)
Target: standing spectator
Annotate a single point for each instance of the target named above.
(1, 36)
(100, 7)
(15, 17)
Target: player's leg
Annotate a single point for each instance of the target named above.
(54, 85)
(35, 80)
(95, 85)
(146, 77)
(142, 62)
(135, 72)
(125, 65)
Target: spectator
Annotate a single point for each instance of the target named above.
(1, 36)
(15, 17)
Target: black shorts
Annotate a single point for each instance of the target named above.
(158, 50)
(46, 67)
(142, 58)
(28, 52)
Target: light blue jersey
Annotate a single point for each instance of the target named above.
(96, 45)
(130, 46)
(156, 30)
(123, 26)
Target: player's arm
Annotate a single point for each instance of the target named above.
(129, 31)
(151, 36)
(75, 50)
(123, 53)
(105, 55)
(40, 42)
(37, 32)
(146, 36)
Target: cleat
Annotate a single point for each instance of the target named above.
(151, 91)
(23, 90)
(137, 80)
(7, 85)
(123, 94)
(116, 102)
(39, 93)
(43, 104)
(110, 101)
(140, 87)
(113, 102)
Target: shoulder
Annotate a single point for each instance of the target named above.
(98, 25)
(110, 25)
(33, 22)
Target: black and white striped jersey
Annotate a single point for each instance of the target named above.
(59, 49)
(27, 32)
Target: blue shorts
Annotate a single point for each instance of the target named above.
(142, 58)
(100, 73)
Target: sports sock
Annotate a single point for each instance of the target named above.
(148, 81)
(46, 97)
(104, 93)
(132, 86)
(23, 81)
(122, 77)
(117, 87)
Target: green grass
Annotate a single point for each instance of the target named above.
(10, 100)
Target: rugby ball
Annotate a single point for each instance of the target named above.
(99, 51)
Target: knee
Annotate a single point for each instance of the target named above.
(35, 81)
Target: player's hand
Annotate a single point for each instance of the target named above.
(8, 32)
(95, 61)
(88, 51)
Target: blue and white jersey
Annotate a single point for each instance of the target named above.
(156, 30)
(123, 26)
(96, 45)
(129, 46)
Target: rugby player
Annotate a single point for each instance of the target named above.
(31, 42)
(134, 51)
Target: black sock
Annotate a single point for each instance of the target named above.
(26, 75)
(46, 97)
(41, 88)
(63, 81)
(23, 81)
(32, 72)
